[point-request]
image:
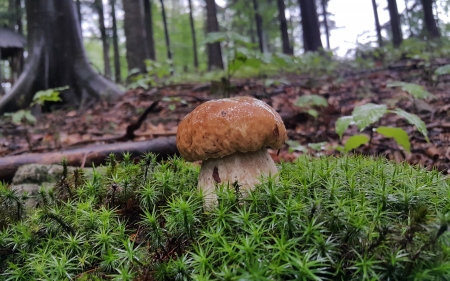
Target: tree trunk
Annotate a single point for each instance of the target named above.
(56, 58)
(101, 23)
(325, 22)
(284, 28)
(117, 70)
(149, 29)
(214, 50)
(258, 21)
(194, 39)
(430, 22)
(377, 23)
(166, 30)
(136, 45)
(397, 37)
(79, 11)
(310, 25)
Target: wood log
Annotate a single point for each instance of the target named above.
(93, 154)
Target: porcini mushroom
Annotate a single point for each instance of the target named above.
(230, 136)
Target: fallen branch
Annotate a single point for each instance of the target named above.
(94, 154)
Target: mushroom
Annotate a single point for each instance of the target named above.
(230, 137)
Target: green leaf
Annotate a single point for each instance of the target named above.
(253, 62)
(214, 37)
(445, 69)
(342, 124)
(318, 145)
(355, 142)
(414, 90)
(28, 116)
(311, 100)
(296, 146)
(413, 120)
(368, 114)
(172, 107)
(399, 135)
(237, 62)
(313, 112)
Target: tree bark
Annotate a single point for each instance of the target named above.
(56, 58)
(397, 37)
(115, 38)
(94, 154)
(194, 39)
(377, 23)
(166, 30)
(148, 18)
(212, 25)
(310, 25)
(325, 22)
(79, 12)
(136, 45)
(284, 28)
(104, 37)
(258, 21)
(430, 22)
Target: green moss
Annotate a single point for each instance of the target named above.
(350, 218)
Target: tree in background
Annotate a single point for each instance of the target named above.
(214, 50)
(259, 28)
(149, 29)
(377, 23)
(98, 6)
(310, 25)
(56, 58)
(430, 22)
(396, 30)
(115, 38)
(324, 4)
(284, 28)
(136, 44)
(194, 40)
(166, 30)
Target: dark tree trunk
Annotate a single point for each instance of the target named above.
(101, 23)
(56, 58)
(397, 37)
(325, 22)
(258, 21)
(115, 38)
(149, 29)
(136, 44)
(430, 22)
(214, 50)
(284, 27)
(19, 16)
(194, 39)
(79, 11)
(166, 30)
(377, 22)
(310, 25)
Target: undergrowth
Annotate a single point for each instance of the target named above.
(349, 218)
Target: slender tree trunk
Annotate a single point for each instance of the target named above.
(12, 14)
(325, 22)
(214, 50)
(166, 30)
(377, 23)
(79, 12)
(101, 23)
(115, 38)
(310, 25)
(136, 44)
(258, 20)
(284, 27)
(194, 39)
(430, 22)
(408, 17)
(56, 58)
(397, 37)
(149, 29)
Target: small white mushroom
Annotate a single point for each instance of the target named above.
(230, 136)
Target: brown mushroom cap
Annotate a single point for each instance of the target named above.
(221, 127)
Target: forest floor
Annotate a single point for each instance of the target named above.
(105, 122)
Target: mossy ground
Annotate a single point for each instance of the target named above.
(349, 218)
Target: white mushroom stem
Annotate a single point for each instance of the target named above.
(244, 168)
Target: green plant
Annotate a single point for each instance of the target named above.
(307, 102)
(367, 115)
